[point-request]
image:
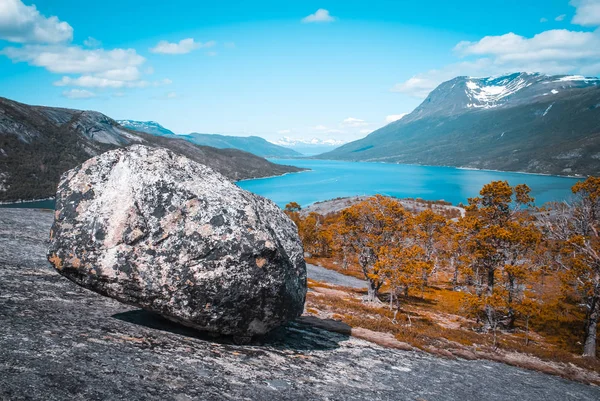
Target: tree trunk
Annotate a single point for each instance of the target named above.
(372, 291)
(490, 281)
(454, 266)
(589, 345)
(512, 316)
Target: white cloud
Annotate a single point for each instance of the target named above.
(557, 51)
(560, 17)
(417, 86)
(542, 20)
(92, 81)
(129, 73)
(74, 59)
(320, 128)
(78, 94)
(394, 117)
(552, 45)
(321, 15)
(171, 95)
(24, 24)
(587, 12)
(365, 131)
(284, 131)
(99, 68)
(91, 42)
(211, 54)
(95, 67)
(354, 122)
(184, 46)
(230, 45)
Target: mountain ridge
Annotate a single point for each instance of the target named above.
(542, 124)
(38, 144)
(253, 144)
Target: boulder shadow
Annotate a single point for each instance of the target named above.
(307, 333)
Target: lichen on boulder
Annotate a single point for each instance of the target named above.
(154, 229)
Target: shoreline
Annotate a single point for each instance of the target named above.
(20, 201)
(275, 176)
(454, 167)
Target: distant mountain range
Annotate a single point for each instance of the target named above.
(310, 147)
(149, 127)
(38, 144)
(517, 122)
(252, 144)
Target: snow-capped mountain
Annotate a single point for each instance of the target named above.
(509, 90)
(291, 142)
(309, 147)
(521, 121)
(149, 127)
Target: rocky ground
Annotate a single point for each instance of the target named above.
(61, 342)
(320, 273)
(335, 205)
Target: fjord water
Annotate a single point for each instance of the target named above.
(332, 179)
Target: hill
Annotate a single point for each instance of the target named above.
(518, 122)
(38, 144)
(149, 127)
(252, 144)
(81, 345)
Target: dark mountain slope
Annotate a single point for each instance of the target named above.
(37, 144)
(539, 124)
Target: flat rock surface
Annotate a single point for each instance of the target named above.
(320, 273)
(59, 341)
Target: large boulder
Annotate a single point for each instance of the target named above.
(153, 229)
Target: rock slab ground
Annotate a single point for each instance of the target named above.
(59, 341)
(157, 230)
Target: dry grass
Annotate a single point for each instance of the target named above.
(436, 323)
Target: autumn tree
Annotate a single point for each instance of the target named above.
(293, 207)
(575, 228)
(292, 210)
(427, 228)
(402, 267)
(315, 235)
(502, 235)
(364, 229)
(452, 247)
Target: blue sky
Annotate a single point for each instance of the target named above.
(278, 69)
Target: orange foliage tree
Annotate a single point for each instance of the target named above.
(365, 229)
(501, 237)
(575, 229)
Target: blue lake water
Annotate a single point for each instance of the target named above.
(332, 179)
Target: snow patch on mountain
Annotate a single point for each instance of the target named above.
(568, 78)
(489, 92)
(149, 127)
(291, 142)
